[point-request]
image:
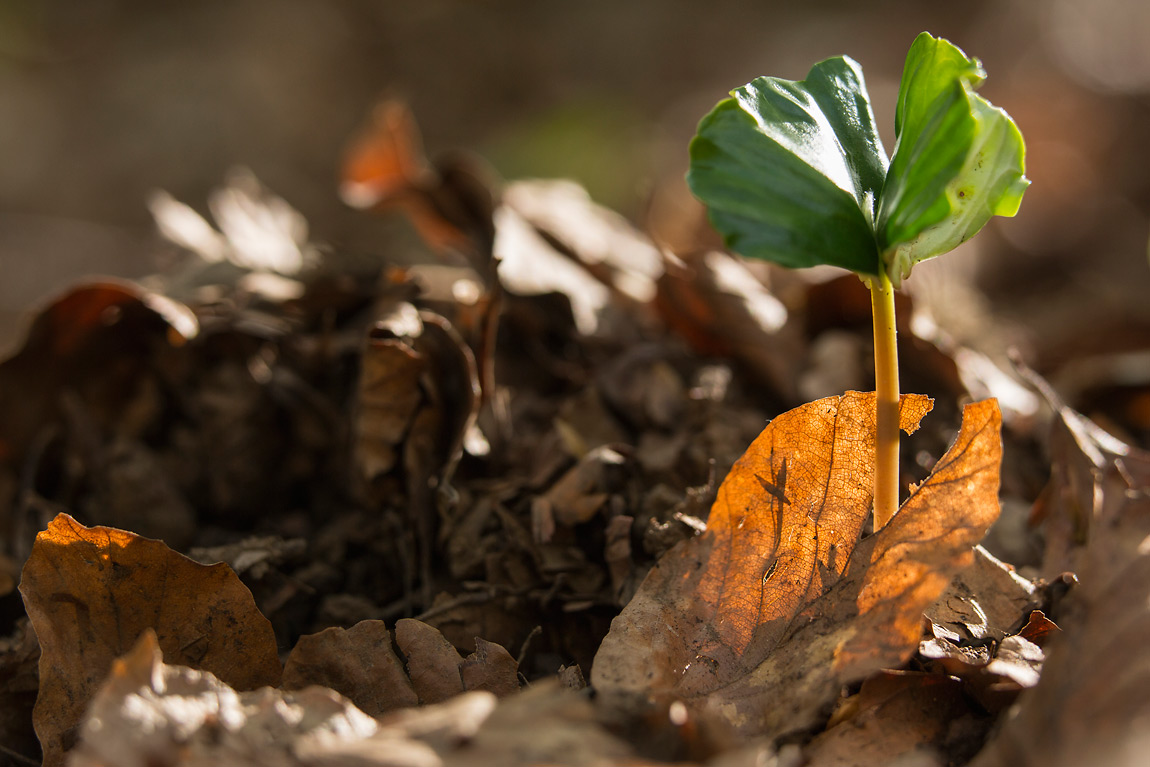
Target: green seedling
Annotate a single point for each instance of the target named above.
(794, 172)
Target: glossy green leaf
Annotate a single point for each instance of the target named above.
(794, 172)
(958, 159)
(791, 171)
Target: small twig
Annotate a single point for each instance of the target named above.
(526, 643)
(472, 598)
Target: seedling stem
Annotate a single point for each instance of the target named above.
(886, 400)
(793, 171)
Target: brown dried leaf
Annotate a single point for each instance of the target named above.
(437, 671)
(897, 713)
(449, 203)
(579, 494)
(19, 680)
(1081, 452)
(986, 601)
(91, 592)
(387, 398)
(601, 240)
(777, 597)
(490, 668)
(358, 663)
(432, 662)
(1039, 629)
(721, 309)
(72, 342)
(1092, 702)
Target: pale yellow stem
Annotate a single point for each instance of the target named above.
(886, 400)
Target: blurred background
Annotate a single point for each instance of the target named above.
(103, 101)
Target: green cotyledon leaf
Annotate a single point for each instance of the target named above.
(794, 171)
(791, 171)
(958, 159)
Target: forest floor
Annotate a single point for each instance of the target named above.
(572, 493)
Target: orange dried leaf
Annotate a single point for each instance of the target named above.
(776, 596)
(386, 159)
(91, 591)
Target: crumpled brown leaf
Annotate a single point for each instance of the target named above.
(90, 592)
(777, 597)
(982, 631)
(1092, 702)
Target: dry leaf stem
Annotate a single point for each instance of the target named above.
(886, 400)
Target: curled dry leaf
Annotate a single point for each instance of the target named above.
(449, 202)
(777, 597)
(69, 344)
(91, 592)
(387, 398)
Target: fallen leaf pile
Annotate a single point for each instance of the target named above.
(283, 504)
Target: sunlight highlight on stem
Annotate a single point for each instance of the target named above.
(886, 400)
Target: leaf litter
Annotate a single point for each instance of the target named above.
(440, 483)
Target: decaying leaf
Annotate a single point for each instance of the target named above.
(19, 659)
(1092, 702)
(986, 601)
(71, 342)
(91, 592)
(358, 663)
(1082, 453)
(432, 663)
(490, 668)
(760, 621)
(895, 714)
(387, 398)
(438, 672)
(601, 240)
(148, 712)
(717, 305)
(449, 202)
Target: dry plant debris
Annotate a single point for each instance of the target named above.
(436, 486)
